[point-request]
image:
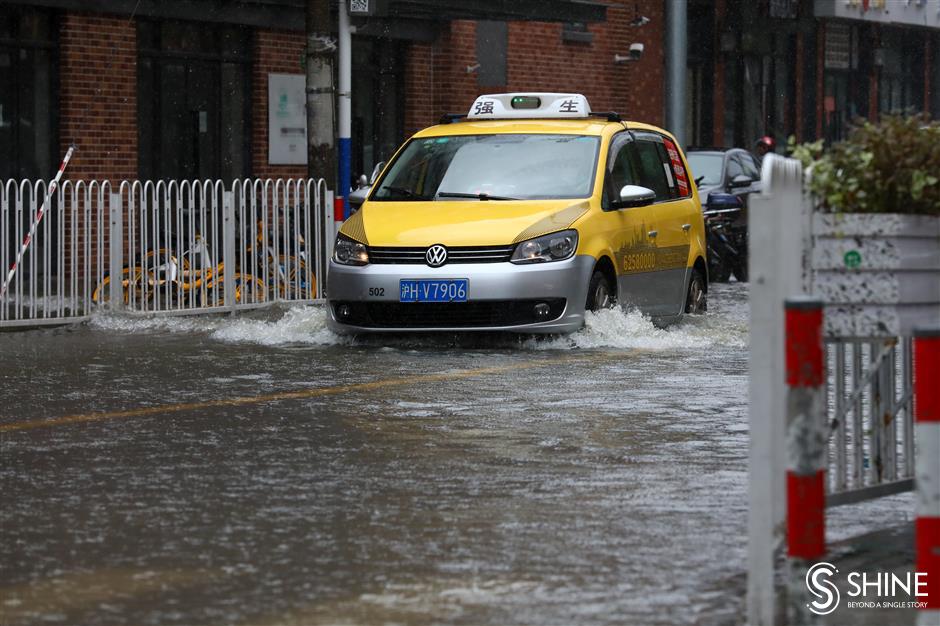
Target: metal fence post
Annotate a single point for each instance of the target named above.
(876, 416)
(228, 250)
(116, 251)
(841, 482)
(806, 449)
(927, 459)
(776, 273)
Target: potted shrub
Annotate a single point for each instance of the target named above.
(876, 226)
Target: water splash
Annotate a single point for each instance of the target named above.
(302, 325)
(726, 325)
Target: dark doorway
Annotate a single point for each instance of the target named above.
(378, 102)
(193, 94)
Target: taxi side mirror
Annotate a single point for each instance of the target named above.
(376, 171)
(634, 196)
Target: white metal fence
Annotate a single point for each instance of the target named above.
(162, 247)
(870, 415)
(869, 389)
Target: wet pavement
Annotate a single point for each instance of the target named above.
(262, 470)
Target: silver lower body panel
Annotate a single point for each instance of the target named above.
(493, 283)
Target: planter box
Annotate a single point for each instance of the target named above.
(879, 274)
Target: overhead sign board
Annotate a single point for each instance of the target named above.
(925, 13)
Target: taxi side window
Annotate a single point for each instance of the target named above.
(652, 171)
(620, 170)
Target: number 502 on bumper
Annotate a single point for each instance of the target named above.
(451, 290)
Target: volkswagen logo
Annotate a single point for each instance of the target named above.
(436, 255)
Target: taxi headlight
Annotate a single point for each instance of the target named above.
(349, 252)
(554, 247)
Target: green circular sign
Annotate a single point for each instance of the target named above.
(852, 259)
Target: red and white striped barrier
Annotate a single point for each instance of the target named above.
(32, 229)
(927, 471)
(806, 446)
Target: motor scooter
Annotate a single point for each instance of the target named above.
(725, 238)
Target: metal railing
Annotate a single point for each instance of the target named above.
(870, 415)
(162, 247)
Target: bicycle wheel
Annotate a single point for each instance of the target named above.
(130, 280)
(296, 286)
(248, 289)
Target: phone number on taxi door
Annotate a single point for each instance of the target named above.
(640, 262)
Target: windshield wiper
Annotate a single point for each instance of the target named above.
(478, 196)
(404, 191)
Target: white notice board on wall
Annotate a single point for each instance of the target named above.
(287, 120)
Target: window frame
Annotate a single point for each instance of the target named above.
(623, 140)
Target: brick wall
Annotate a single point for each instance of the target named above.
(98, 96)
(419, 84)
(98, 111)
(437, 81)
(277, 52)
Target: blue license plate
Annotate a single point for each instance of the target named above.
(451, 290)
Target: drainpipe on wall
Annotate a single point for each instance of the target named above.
(676, 55)
(344, 97)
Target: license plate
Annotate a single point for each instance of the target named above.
(452, 290)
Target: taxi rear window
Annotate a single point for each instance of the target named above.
(496, 166)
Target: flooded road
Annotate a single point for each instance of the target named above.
(261, 470)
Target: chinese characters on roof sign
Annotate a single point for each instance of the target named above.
(529, 106)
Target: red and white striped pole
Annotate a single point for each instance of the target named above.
(806, 448)
(927, 469)
(32, 230)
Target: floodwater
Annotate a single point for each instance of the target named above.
(262, 470)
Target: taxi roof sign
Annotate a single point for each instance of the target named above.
(502, 106)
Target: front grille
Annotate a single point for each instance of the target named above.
(415, 256)
(482, 313)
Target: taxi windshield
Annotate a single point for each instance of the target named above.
(492, 167)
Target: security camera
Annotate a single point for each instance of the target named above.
(636, 51)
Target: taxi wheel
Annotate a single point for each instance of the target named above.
(600, 295)
(696, 299)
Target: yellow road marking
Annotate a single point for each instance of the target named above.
(85, 591)
(288, 395)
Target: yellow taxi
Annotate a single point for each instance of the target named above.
(521, 216)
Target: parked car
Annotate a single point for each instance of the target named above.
(725, 178)
(521, 216)
(723, 171)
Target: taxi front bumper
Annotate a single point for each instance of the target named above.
(500, 297)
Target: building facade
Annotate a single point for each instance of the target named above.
(183, 89)
(807, 68)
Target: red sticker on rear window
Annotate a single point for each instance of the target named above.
(677, 167)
